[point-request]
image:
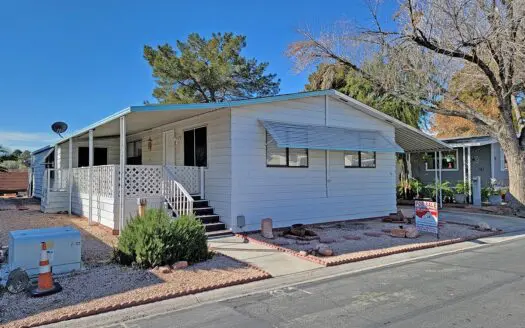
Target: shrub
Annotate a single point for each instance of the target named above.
(157, 239)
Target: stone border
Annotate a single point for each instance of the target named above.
(371, 254)
(119, 306)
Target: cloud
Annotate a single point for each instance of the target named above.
(26, 140)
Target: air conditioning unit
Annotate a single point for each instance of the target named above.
(63, 249)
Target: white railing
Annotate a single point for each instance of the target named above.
(191, 177)
(56, 180)
(143, 181)
(177, 197)
(80, 180)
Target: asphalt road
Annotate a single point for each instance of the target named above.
(483, 287)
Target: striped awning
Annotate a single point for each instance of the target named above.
(328, 137)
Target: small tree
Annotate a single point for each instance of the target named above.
(431, 43)
(204, 71)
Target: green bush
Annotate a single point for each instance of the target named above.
(157, 239)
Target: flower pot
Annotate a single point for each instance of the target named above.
(460, 198)
(495, 200)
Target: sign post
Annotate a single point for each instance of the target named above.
(427, 217)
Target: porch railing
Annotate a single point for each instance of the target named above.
(177, 197)
(191, 177)
(56, 180)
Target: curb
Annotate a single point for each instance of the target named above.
(112, 307)
(360, 256)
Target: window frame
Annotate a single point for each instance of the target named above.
(502, 161)
(440, 164)
(359, 160)
(135, 159)
(287, 157)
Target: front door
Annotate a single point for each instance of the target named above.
(195, 147)
(169, 147)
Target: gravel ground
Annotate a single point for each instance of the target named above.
(112, 284)
(100, 284)
(20, 213)
(349, 229)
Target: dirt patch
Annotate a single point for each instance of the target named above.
(19, 213)
(110, 287)
(361, 240)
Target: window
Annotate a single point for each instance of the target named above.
(195, 147)
(284, 157)
(449, 160)
(503, 160)
(134, 152)
(100, 156)
(364, 159)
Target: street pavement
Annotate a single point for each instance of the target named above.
(479, 287)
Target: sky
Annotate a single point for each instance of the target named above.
(80, 61)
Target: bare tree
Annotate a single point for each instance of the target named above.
(433, 43)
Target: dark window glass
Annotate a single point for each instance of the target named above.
(366, 159)
(100, 156)
(196, 147)
(285, 157)
(351, 159)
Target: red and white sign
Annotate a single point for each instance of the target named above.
(427, 216)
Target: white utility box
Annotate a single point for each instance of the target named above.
(63, 249)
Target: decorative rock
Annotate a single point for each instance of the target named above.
(325, 251)
(165, 269)
(267, 228)
(411, 232)
(281, 242)
(303, 253)
(350, 237)
(302, 242)
(298, 230)
(180, 265)
(399, 233)
(327, 240)
(319, 246)
(373, 234)
(483, 226)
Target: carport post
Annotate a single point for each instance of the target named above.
(464, 169)
(469, 161)
(440, 180)
(436, 173)
(90, 172)
(70, 174)
(122, 171)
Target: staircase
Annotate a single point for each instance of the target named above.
(212, 223)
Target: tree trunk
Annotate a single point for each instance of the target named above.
(515, 157)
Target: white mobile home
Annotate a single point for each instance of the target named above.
(298, 158)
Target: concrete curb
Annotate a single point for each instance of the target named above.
(119, 306)
(366, 255)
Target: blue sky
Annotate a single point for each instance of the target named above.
(79, 61)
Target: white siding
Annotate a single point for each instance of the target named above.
(313, 194)
(104, 209)
(218, 172)
(38, 168)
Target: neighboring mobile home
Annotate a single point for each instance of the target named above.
(297, 158)
(486, 160)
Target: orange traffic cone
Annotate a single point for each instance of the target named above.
(46, 285)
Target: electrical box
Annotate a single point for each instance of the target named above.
(63, 249)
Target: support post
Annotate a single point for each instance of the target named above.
(409, 166)
(70, 175)
(469, 162)
(440, 180)
(122, 173)
(464, 168)
(201, 181)
(90, 173)
(436, 174)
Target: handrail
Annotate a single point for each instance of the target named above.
(176, 195)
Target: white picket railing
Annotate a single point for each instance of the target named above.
(176, 195)
(191, 177)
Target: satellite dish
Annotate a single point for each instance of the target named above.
(59, 128)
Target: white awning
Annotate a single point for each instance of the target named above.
(328, 137)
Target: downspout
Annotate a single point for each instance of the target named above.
(122, 172)
(436, 174)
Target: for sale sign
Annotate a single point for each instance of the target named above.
(427, 217)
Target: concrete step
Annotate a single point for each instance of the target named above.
(219, 233)
(216, 226)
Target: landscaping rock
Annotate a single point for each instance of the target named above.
(165, 269)
(302, 242)
(350, 237)
(411, 232)
(398, 233)
(303, 253)
(267, 228)
(180, 265)
(281, 242)
(298, 230)
(319, 246)
(327, 240)
(373, 234)
(325, 251)
(483, 226)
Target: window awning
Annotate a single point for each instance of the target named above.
(328, 137)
